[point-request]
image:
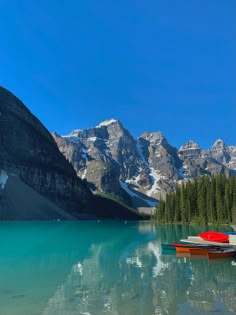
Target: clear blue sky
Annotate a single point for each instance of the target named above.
(155, 65)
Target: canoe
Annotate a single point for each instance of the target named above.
(182, 249)
(222, 254)
(232, 239)
(186, 245)
(214, 237)
(167, 247)
(195, 245)
(192, 250)
(199, 251)
(199, 240)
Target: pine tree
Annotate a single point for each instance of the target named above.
(201, 200)
(212, 209)
(227, 203)
(183, 207)
(219, 199)
(177, 211)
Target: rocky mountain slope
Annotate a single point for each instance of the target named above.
(111, 160)
(29, 152)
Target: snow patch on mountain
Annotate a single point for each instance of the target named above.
(130, 192)
(84, 174)
(107, 122)
(135, 179)
(156, 176)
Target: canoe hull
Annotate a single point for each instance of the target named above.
(167, 247)
(182, 249)
(212, 255)
(199, 251)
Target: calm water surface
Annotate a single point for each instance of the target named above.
(113, 268)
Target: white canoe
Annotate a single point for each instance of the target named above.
(232, 239)
(199, 240)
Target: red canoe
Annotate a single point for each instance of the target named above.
(214, 237)
(220, 254)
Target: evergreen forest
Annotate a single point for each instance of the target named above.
(205, 200)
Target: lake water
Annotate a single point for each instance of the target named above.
(113, 268)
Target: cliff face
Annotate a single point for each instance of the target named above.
(28, 151)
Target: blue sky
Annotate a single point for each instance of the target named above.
(154, 65)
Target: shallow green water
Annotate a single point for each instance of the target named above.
(113, 268)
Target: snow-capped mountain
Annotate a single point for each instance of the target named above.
(111, 160)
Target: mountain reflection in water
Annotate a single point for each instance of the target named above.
(68, 268)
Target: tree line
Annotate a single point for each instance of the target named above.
(205, 200)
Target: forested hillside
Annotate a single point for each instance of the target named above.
(206, 200)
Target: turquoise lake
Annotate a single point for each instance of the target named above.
(113, 268)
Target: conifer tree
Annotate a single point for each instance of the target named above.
(219, 199)
(227, 204)
(212, 209)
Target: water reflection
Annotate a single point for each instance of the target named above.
(108, 268)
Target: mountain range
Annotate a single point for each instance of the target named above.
(100, 172)
(109, 159)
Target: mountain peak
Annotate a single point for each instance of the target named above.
(219, 143)
(107, 122)
(74, 133)
(190, 145)
(153, 136)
